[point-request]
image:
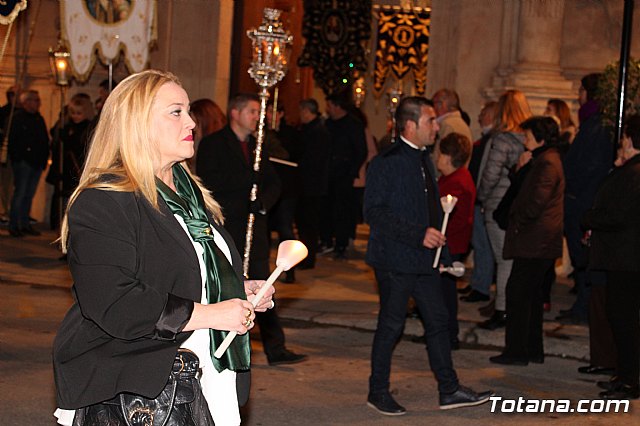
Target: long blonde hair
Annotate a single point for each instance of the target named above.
(122, 147)
(513, 109)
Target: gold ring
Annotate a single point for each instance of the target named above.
(247, 323)
(248, 315)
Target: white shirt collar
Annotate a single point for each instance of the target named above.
(412, 145)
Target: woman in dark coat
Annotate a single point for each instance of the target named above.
(533, 240)
(157, 280)
(614, 221)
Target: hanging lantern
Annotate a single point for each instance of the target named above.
(270, 50)
(59, 60)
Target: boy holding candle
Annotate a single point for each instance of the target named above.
(455, 180)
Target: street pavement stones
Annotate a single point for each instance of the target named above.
(336, 292)
(340, 294)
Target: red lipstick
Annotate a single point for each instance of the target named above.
(188, 138)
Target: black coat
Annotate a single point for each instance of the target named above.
(314, 163)
(587, 162)
(536, 215)
(74, 146)
(136, 276)
(29, 139)
(223, 169)
(348, 147)
(615, 220)
(395, 207)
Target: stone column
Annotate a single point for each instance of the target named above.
(535, 64)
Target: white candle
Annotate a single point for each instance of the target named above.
(290, 253)
(448, 203)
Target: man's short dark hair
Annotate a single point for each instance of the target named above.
(544, 129)
(410, 109)
(632, 129)
(279, 107)
(590, 83)
(340, 99)
(450, 97)
(311, 105)
(456, 146)
(240, 100)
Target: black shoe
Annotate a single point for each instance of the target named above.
(536, 359)
(488, 310)
(340, 253)
(475, 296)
(507, 360)
(30, 231)
(290, 277)
(384, 403)
(610, 384)
(286, 357)
(419, 339)
(622, 391)
(15, 233)
(455, 344)
(413, 313)
(594, 369)
(463, 397)
(572, 319)
(306, 265)
(324, 249)
(465, 290)
(497, 320)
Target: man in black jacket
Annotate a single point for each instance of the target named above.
(348, 152)
(314, 173)
(28, 152)
(586, 164)
(614, 220)
(224, 162)
(402, 207)
(6, 178)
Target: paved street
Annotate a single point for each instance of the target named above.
(329, 314)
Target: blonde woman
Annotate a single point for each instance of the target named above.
(157, 280)
(500, 156)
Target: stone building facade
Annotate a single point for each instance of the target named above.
(478, 47)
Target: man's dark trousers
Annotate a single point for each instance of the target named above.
(395, 289)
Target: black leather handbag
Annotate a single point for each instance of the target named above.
(181, 402)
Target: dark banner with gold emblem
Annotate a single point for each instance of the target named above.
(9, 9)
(335, 32)
(403, 46)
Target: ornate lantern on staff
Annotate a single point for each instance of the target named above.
(269, 65)
(395, 95)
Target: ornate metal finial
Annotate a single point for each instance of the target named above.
(270, 49)
(269, 65)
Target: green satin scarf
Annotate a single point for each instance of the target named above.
(222, 283)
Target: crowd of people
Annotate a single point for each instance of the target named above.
(176, 176)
